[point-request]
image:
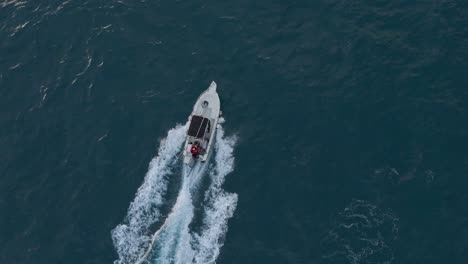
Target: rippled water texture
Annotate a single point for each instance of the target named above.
(345, 136)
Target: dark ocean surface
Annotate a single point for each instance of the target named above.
(348, 122)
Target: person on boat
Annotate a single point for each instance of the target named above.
(195, 150)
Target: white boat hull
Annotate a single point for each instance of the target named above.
(203, 124)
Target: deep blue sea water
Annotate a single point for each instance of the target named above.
(347, 121)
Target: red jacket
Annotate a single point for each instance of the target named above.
(194, 150)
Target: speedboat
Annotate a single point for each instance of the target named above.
(202, 129)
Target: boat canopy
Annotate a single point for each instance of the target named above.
(198, 126)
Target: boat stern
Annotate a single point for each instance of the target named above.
(188, 160)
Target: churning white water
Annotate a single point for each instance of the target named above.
(174, 241)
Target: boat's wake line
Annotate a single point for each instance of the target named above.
(175, 241)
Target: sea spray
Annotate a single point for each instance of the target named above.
(177, 244)
(174, 242)
(131, 238)
(173, 239)
(219, 204)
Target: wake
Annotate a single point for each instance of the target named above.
(175, 241)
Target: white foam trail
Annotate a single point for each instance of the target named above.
(131, 238)
(181, 246)
(174, 242)
(173, 239)
(220, 205)
(177, 234)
